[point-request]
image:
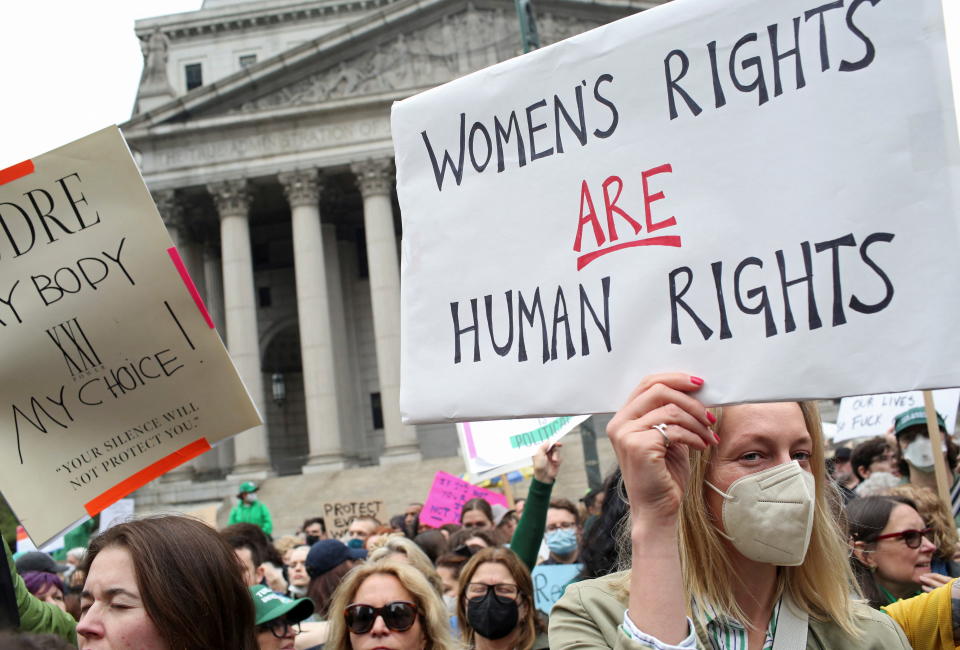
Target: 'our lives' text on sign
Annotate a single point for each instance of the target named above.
(112, 373)
(873, 415)
(707, 187)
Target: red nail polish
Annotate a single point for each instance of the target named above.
(717, 437)
(696, 381)
(711, 417)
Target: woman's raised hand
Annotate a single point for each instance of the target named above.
(654, 459)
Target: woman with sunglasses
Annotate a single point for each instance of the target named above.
(388, 604)
(891, 549)
(495, 610)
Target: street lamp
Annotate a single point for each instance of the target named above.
(279, 389)
(529, 36)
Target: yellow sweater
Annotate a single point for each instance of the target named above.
(927, 619)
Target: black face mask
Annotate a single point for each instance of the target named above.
(492, 618)
(312, 539)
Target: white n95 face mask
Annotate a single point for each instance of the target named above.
(768, 516)
(919, 453)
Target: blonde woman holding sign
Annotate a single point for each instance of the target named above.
(733, 543)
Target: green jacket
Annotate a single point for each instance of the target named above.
(37, 616)
(529, 532)
(589, 616)
(255, 513)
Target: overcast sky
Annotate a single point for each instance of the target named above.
(69, 68)
(72, 67)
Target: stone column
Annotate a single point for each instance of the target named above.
(233, 204)
(346, 404)
(375, 178)
(313, 308)
(172, 213)
(221, 457)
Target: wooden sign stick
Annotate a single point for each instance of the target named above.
(507, 490)
(936, 442)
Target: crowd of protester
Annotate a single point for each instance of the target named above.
(719, 528)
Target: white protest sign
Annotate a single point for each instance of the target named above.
(763, 194)
(872, 415)
(493, 447)
(116, 513)
(112, 372)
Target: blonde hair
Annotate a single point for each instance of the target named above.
(400, 545)
(431, 610)
(822, 585)
(935, 514)
(287, 543)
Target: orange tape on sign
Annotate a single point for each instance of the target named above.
(14, 172)
(147, 474)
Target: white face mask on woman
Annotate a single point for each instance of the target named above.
(768, 516)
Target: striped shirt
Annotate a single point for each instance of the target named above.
(724, 632)
(955, 499)
(728, 634)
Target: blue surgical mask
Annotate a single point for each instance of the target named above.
(562, 541)
(355, 542)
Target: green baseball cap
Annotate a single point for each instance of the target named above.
(270, 605)
(247, 487)
(913, 417)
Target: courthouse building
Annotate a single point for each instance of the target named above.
(263, 131)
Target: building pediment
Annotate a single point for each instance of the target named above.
(401, 50)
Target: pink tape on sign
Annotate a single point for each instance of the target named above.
(468, 434)
(191, 287)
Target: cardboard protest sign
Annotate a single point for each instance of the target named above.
(24, 543)
(447, 496)
(762, 194)
(112, 371)
(872, 415)
(549, 582)
(495, 446)
(337, 515)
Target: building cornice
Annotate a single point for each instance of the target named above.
(239, 18)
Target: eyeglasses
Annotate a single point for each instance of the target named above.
(566, 525)
(503, 592)
(399, 616)
(911, 538)
(280, 627)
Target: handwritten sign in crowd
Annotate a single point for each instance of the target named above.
(872, 415)
(447, 496)
(493, 447)
(337, 515)
(762, 194)
(549, 583)
(112, 372)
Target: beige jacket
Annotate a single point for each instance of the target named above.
(589, 616)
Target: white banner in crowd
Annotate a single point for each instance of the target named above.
(116, 513)
(112, 370)
(872, 415)
(492, 447)
(763, 194)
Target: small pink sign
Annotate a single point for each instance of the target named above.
(447, 496)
